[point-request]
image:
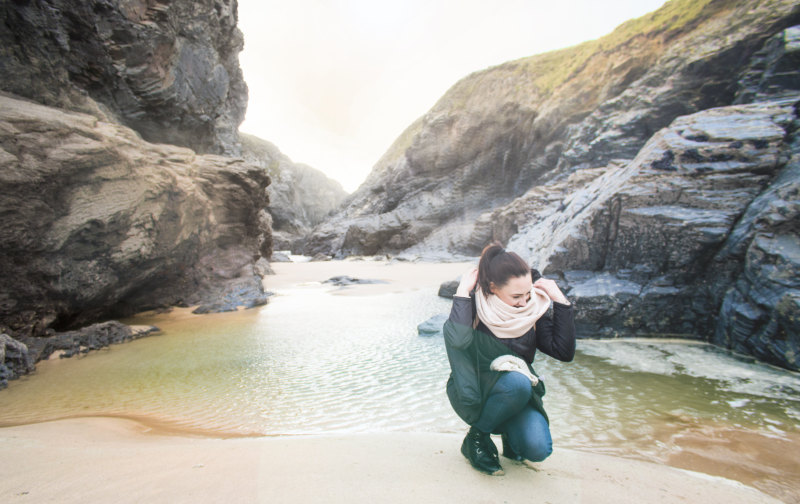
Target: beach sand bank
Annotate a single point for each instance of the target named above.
(117, 460)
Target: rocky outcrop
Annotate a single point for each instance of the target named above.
(98, 223)
(168, 69)
(300, 196)
(500, 132)
(654, 172)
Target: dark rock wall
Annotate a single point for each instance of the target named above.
(168, 69)
(97, 223)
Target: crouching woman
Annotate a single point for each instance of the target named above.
(497, 322)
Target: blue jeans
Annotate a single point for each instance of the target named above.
(507, 411)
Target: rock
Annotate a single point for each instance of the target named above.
(15, 360)
(448, 289)
(280, 257)
(499, 133)
(320, 258)
(773, 71)
(433, 325)
(262, 268)
(300, 196)
(85, 340)
(98, 223)
(344, 280)
(169, 70)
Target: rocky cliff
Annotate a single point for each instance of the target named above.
(97, 221)
(653, 171)
(167, 69)
(300, 196)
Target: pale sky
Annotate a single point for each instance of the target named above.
(334, 82)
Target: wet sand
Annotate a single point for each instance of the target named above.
(116, 460)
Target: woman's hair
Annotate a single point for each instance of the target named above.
(498, 266)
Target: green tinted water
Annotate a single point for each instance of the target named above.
(312, 361)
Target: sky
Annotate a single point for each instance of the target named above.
(332, 83)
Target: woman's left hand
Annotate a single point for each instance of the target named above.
(551, 289)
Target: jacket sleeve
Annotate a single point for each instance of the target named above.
(556, 336)
(463, 385)
(458, 327)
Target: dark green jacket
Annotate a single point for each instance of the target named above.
(471, 351)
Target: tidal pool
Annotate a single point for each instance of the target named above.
(313, 361)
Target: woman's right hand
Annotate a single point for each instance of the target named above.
(468, 281)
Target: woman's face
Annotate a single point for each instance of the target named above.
(516, 292)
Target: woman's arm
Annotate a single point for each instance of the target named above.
(458, 328)
(556, 336)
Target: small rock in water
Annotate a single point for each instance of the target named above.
(344, 280)
(433, 325)
(448, 289)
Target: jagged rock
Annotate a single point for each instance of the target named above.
(772, 73)
(85, 340)
(300, 196)
(98, 223)
(168, 69)
(652, 247)
(320, 258)
(15, 360)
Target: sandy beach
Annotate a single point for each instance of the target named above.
(102, 459)
(116, 460)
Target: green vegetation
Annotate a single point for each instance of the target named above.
(552, 69)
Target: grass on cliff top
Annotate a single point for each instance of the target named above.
(675, 17)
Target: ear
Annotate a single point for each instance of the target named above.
(492, 288)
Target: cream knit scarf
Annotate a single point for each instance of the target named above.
(506, 321)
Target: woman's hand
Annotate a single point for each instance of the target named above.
(468, 281)
(552, 290)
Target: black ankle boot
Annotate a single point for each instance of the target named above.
(481, 452)
(509, 452)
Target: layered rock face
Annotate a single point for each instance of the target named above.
(168, 69)
(300, 196)
(97, 222)
(654, 172)
(500, 132)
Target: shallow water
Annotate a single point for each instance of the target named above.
(312, 361)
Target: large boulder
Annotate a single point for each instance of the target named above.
(168, 69)
(98, 223)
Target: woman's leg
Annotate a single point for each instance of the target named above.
(508, 397)
(529, 435)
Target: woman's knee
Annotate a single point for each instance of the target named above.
(529, 435)
(537, 450)
(514, 385)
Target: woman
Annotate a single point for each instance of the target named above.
(499, 316)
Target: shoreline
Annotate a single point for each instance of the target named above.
(65, 459)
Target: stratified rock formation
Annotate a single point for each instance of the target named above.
(653, 170)
(168, 69)
(300, 197)
(97, 223)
